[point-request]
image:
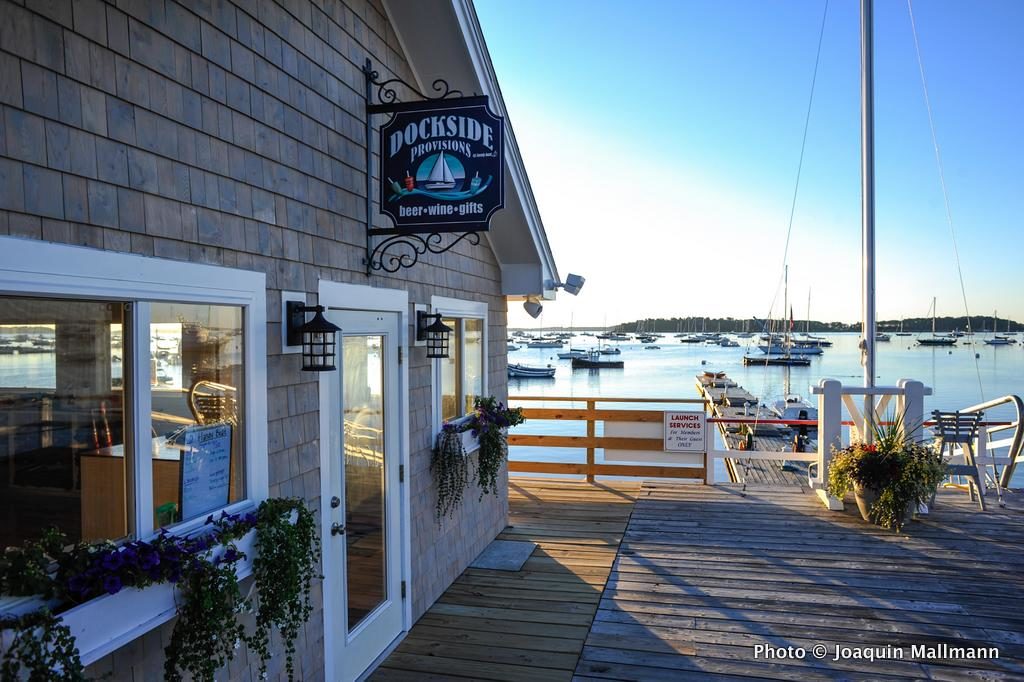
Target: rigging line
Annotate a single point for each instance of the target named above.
(803, 148)
(796, 191)
(945, 191)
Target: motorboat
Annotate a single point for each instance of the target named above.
(518, 371)
(512, 347)
(793, 406)
(594, 361)
(546, 343)
(609, 351)
(780, 349)
(572, 353)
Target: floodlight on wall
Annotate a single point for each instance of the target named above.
(435, 333)
(572, 284)
(533, 308)
(317, 337)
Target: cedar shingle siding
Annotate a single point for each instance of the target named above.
(232, 133)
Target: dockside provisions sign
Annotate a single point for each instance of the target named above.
(685, 431)
(442, 166)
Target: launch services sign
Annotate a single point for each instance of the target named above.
(442, 166)
(685, 431)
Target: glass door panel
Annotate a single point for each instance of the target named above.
(364, 466)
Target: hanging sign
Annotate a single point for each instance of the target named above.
(442, 166)
(205, 469)
(685, 431)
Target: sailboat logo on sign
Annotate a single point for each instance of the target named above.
(442, 166)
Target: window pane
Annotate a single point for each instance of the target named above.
(451, 390)
(62, 423)
(196, 374)
(474, 361)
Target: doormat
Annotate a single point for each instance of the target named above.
(504, 555)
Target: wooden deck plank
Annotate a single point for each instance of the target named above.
(666, 581)
(529, 624)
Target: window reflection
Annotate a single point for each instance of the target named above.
(196, 375)
(62, 425)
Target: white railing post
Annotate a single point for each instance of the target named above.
(910, 404)
(709, 462)
(830, 434)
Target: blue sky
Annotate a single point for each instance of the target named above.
(662, 141)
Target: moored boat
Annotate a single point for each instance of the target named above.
(518, 371)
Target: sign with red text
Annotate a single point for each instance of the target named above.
(685, 431)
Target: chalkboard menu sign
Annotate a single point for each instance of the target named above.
(205, 469)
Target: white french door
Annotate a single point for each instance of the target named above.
(363, 513)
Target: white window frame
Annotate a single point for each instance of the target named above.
(459, 308)
(43, 269)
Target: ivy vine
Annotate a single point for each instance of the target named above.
(489, 423)
(207, 631)
(450, 468)
(287, 556)
(43, 646)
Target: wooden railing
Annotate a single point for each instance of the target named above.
(591, 441)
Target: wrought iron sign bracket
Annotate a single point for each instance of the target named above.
(398, 248)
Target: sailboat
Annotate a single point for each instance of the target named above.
(901, 332)
(998, 340)
(440, 175)
(936, 339)
(786, 354)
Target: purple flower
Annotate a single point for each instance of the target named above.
(113, 561)
(112, 584)
(149, 559)
(250, 519)
(78, 585)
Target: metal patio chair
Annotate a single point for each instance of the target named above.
(961, 430)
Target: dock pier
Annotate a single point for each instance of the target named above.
(728, 400)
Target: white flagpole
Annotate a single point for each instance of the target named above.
(868, 206)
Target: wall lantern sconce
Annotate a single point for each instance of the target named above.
(317, 337)
(435, 333)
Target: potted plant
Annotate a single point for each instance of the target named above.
(889, 477)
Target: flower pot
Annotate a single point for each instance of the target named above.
(866, 498)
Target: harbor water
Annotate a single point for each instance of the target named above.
(957, 378)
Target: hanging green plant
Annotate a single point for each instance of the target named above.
(287, 556)
(450, 468)
(489, 423)
(207, 631)
(42, 649)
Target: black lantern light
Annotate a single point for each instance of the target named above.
(317, 336)
(434, 333)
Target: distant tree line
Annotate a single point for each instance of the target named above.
(663, 325)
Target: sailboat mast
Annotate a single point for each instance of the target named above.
(867, 157)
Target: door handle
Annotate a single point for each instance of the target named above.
(335, 502)
(337, 529)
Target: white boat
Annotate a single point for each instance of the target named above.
(652, 347)
(512, 347)
(609, 351)
(546, 343)
(572, 353)
(440, 175)
(728, 343)
(517, 371)
(793, 406)
(882, 336)
(782, 349)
